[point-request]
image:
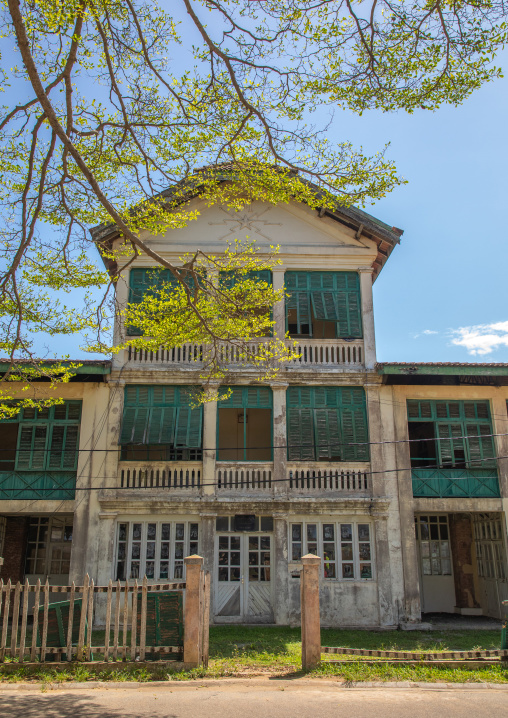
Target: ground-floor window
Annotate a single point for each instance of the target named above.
(154, 549)
(433, 535)
(488, 535)
(346, 547)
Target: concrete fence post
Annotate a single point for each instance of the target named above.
(192, 636)
(311, 626)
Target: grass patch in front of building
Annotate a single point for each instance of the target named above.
(276, 650)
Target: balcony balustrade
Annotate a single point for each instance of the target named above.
(319, 478)
(455, 483)
(312, 353)
(161, 476)
(238, 477)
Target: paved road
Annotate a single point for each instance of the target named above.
(243, 699)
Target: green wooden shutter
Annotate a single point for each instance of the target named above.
(480, 446)
(348, 434)
(143, 281)
(247, 397)
(31, 452)
(300, 435)
(71, 448)
(349, 323)
(56, 447)
(297, 286)
(326, 423)
(195, 428)
(450, 440)
(353, 413)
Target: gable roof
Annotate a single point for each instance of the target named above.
(361, 222)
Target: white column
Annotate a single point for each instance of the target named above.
(93, 443)
(121, 299)
(279, 317)
(500, 425)
(209, 444)
(279, 437)
(281, 570)
(369, 338)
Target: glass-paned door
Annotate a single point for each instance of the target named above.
(243, 578)
(48, 552)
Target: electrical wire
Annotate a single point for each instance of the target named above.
(363, 472)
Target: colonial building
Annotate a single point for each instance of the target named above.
(396, 475)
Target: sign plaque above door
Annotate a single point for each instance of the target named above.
(245, 522)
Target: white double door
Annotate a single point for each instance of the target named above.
(243, 578)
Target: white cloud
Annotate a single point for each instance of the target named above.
(425, 332)
(481, 339)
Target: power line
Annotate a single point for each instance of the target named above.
(363, 472)
(334, 442)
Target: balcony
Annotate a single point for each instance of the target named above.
(331, 480)
(237, 477)
(37, 485)
(455, 483)
(335, 353)
(161, 476)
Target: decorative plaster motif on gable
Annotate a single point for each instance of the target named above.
(245, 219)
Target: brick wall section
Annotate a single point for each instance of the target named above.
(14, 549)
(461, 540)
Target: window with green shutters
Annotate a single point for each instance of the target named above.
(324, 305)
(39, 454)
(143, 281)
(161, 423)
(228, 279)
(327, 423)
(451, 434)
(244, 431)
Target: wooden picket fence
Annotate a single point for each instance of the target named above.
(133, 612)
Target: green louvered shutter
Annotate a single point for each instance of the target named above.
(480, 446)
(144, 280)
(450, 441)
(300, 435)
(195, 428)
(348, 434)
(323, 296)
(297, 286)
(361, 435)
(71, 447)
(355, 435)
(349, 323)
(326, 423)
(32, 447)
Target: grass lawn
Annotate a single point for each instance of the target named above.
(275, 650)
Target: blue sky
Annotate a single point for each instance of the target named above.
(442, 294)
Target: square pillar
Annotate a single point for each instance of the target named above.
(207, 531)
(209, 447)
(281, 568)
(279, 309)
(369, 338)
(279, 438)
(121, 300)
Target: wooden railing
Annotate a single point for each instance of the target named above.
(180, 476)
(65, 629)
(336, 479)
(243, 477)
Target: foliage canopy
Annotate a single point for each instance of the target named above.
(108, 103)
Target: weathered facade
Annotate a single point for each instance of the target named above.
(395, 475)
